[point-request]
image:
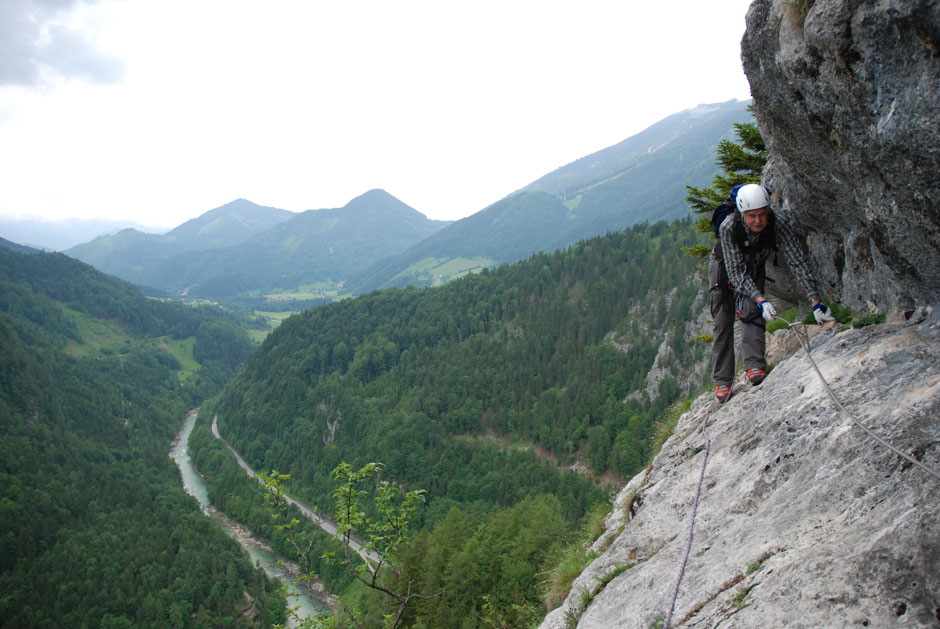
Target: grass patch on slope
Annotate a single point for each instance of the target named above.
(182, 350)
(96, 336)
(570, 558)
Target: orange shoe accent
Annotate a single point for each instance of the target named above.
(756, 376)
(722, 393)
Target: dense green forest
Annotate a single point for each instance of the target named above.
(517, 397)
(486, 392)
(95, 529)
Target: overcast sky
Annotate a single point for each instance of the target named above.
(160, 110)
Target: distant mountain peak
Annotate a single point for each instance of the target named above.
(642, 178)
(228, 224)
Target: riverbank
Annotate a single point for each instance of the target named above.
(311, 595)
(314, 587)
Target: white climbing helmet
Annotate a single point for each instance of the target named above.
(752, 197)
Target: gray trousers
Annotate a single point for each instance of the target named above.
(722, 303)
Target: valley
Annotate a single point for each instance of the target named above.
(493, 386)
(512, 414)
(435, 383)
(261, 554)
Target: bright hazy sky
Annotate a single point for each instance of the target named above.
(160, 110)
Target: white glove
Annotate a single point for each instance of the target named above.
(822, 313)
(767, 310)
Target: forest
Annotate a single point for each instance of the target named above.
(515, 397)
(95, 529)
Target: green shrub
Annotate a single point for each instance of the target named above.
(869, 319)
(569, 561)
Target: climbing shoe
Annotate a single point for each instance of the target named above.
(756, 376)
(722, 393)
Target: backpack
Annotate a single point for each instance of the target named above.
(729, 205)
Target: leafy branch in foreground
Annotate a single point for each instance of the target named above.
(386, 534)
(298, 538)
(374, 561)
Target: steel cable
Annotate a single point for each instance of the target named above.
(803, 337)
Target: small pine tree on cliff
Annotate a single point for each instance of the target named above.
(741, 162)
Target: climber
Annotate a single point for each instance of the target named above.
(746, 239)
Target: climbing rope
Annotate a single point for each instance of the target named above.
(688, 541)
(803, 337)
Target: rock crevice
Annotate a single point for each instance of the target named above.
(845, 97)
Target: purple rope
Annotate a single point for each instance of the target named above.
(688, 544)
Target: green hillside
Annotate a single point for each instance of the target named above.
(487, 391)
(226, 225)
(250, 256)
(640, 179)
(12, 246)
(316, 246)
(131, 254)
(512, 228)
(95, 529)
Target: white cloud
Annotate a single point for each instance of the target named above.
(35, 44)
(302, 104)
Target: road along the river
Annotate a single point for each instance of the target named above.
(324, 522)
(310, 598)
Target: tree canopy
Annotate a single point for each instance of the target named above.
(95, 528)
(487, 392)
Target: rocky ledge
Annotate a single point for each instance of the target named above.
(803, 519)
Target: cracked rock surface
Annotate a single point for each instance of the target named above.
(803, 520)
(846, 98)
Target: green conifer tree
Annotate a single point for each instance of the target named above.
(741, 162)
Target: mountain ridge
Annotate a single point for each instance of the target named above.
(314, 246)
(228, 224)
(59, 235)
(242, 247)
(568, 180)
(130, 253)
(642, 178)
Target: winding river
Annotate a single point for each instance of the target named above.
(196, 487)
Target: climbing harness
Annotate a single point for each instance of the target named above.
(799, 329)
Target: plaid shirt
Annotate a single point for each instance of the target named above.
(787, 241)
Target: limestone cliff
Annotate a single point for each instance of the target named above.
(846, 97)
(803, 520)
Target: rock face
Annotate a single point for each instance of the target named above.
(804, 520)
(846, 97)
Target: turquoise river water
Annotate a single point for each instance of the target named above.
(196, 487)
